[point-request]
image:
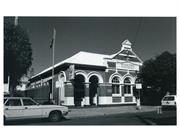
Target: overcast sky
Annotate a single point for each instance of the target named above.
(103, 35)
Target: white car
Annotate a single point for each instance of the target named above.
(169, 101)
(25, 107)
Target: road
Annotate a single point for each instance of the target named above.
(145, 118)
(101, 120)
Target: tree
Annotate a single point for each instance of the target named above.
(160, 75)
(17, 54)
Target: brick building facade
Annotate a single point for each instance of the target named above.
(90, 79)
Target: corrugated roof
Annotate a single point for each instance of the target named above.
(81, 57)
(87, 58)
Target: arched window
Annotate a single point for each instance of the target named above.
(116, 85)
(127, 86)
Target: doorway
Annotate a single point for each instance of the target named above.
(79, 89)
(93, 98)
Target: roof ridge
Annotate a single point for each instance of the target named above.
(93, 53)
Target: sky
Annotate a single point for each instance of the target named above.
(150, 36)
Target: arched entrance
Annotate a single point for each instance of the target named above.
(79, 89)
(93, 90)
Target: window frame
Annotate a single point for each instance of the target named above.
(127, 87)
(128, 84)
(30, 100)
(116, 84)
(11, 100)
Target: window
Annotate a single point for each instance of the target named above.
(127, 86)
(127, 80)
(115, 89)
(115, 80)
(28, 102)
(13, 102)
(168, 98)
(115, 85)
(127, 89)
(111, 64)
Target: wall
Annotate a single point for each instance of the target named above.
(40, 94)
(104, 90)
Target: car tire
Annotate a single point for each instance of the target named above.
(55, 116)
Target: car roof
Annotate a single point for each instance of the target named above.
(17, 97)
(170, 96)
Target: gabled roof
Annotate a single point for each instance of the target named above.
(93, 59)
(85, 58)
(127, 52)
(124, 54)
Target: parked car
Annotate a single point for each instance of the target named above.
(25, 108)
(169, 101)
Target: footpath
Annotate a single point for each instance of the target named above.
(167, 117)
(111, 110)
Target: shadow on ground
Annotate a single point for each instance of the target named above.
(30, 121)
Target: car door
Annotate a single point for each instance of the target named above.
(31, 109)
(13, 109)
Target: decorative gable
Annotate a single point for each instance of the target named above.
(126, 53)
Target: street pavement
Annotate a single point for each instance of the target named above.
(167, 117)
(101, 111)
(114, 115)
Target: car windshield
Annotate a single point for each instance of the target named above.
(169, 98)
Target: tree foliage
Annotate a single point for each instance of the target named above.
(160, 75)
(17, 53)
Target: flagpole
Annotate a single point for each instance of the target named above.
(53, 54)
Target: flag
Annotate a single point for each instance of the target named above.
(16, 21)
(53, 39)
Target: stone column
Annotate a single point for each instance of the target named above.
(69, 93)
(105, 93)
(86, 94)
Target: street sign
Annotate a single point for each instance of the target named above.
(71, 72)
(138, 86)
(59, 83)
